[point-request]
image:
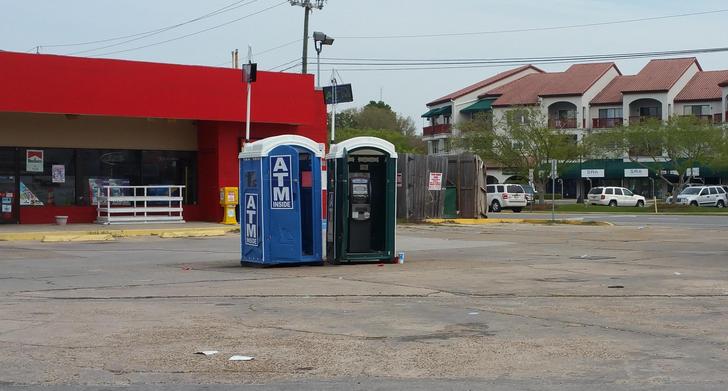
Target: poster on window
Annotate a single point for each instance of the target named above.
(7, 208)
(96, 186)
(27, 197)
(59, 173)
(34, 160)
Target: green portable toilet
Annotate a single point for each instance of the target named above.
(362, 194)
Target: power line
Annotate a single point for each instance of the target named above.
(153, 33)
(227, 8)
(491, 63)
(286, 63)
(548, 28)
(192, 34)
(278, 47)
(298, 64)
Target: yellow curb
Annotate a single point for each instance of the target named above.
(77, 238)
(120, 233)
(516, 221)
(192, 234)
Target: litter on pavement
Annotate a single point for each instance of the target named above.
(207, 352)
(241, 358)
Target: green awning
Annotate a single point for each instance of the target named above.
(447, 110)
(430, 113)
(614, 168)
(481, 105)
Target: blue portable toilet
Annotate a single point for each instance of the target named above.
(280, 201)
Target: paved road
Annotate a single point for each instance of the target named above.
(516, 307)
(680, 221)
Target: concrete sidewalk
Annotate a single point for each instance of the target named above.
(97, 232)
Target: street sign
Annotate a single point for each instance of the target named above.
(250, 72)
(554, 169)
(340, 93)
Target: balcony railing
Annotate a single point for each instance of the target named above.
(437, 129)
(603, 123)
(711, 119)
(568, 123)
(638, 119)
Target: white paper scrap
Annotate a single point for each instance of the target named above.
(207, 352)
(241, 358)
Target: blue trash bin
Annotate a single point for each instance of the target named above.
(281, 201)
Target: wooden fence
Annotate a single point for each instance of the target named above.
(421, 196)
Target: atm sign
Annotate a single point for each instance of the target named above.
(281, 190)
(251, 219)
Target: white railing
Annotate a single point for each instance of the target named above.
(139, 204)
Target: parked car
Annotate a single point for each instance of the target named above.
(668, 200)
(703, 196)
(531, 194)
(505, 197)
(615, 196)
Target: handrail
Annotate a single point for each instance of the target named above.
(115, 205)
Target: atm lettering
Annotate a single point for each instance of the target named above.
(281, 194)
(251, 219)
(280, 182)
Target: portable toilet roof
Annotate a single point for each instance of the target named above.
(337, 150)
(263, 147)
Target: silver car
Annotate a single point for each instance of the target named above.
(703, 196)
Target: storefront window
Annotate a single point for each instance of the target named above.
(47, 177)
(65, 177)
(171, 168)
(98, 167)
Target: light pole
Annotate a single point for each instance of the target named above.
(307, 5)
(319, 40)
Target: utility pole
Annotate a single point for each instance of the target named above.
(307, 5)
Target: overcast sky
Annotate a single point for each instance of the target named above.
(28, 23)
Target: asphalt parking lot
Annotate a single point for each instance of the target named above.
(504, 306)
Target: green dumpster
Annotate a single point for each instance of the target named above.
(362, 193)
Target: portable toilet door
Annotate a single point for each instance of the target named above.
(362, 201)
(280, 181)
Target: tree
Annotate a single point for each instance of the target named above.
(402, 142)
(521, 141)
(681, 143)
(375, 115)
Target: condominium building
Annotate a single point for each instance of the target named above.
(584, 98)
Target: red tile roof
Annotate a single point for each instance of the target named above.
(482, 83)
(525, 91)
(703, 86)
(660, 75)
(612, 93)
(577, 79)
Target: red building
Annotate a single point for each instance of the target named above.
(134, 122)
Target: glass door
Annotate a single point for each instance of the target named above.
(9, 197)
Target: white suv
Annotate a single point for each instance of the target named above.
(505, 197)
(703, 196)
(615, 196)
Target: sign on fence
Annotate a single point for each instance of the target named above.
(435, 181)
